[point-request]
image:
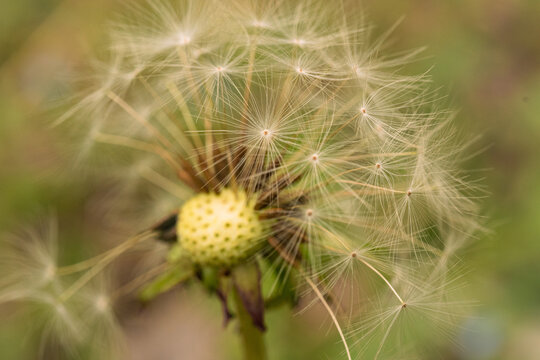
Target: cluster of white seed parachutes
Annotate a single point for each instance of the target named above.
(286, 134)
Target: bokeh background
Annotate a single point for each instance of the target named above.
(486, 55)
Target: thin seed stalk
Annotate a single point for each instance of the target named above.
(252, 338)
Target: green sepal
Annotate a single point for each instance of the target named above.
(175, 254)
(223, 291)
(210, 278)
(174, 275)
(247, 283)
(278, 285)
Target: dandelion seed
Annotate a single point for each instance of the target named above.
(183, 39)
(259, 23)
(360, 73)
(299, 42)
(102, 303)
(49, 273)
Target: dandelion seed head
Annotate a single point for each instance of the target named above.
(281, 128)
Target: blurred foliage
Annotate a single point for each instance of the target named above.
(486, 54)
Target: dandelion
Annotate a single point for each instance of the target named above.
(294, 158)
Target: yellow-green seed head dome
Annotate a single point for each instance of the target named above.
(219, 229)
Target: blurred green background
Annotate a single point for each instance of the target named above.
(486, 55)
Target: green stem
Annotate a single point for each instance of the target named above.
(252, 338)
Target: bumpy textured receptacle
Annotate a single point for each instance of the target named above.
(219, 229)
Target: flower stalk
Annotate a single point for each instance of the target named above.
(251, 337)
